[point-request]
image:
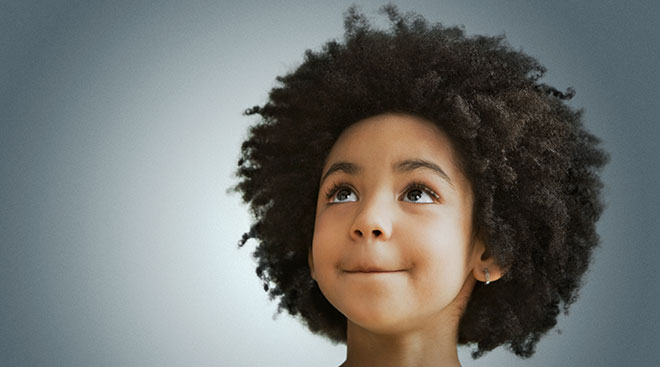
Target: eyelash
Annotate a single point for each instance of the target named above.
(332, 191)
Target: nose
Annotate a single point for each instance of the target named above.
(373, 221)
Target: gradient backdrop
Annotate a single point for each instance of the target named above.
(120, 130)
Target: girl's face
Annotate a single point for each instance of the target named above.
(392, 247)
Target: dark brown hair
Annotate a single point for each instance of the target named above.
(533, 167)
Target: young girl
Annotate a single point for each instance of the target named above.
(416, 188)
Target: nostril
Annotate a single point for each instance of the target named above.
(377, 232)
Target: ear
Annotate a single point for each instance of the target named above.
(310, 261)
(483, 260)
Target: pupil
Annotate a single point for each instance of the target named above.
(415, 195)
(343, 195)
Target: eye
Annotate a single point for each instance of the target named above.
(344, 195)
(420, 193)
(340, 193)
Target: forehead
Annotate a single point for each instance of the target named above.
(382, 139)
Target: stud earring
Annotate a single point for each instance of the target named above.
(487, 276)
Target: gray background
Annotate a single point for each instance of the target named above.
(121, 126)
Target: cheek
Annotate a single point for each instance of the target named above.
(325, 244)
(440, 252)
(441, 230)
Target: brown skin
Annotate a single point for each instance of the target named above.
(399, 262)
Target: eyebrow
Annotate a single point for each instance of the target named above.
(410, 165)
(404, 166)
(347, 167)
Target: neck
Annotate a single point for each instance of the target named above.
(429, 346)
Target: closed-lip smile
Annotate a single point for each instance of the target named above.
(370, 269)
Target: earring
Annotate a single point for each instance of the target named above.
(487, 276)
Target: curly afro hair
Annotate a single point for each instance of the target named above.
(533, 167)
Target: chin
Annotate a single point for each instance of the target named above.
(381, 319)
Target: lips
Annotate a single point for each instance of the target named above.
(371, 269)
